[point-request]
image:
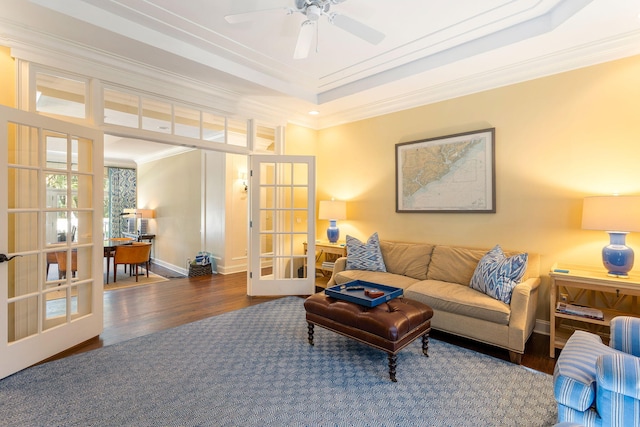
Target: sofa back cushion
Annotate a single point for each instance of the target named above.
(454, 264)
(407, 259)
(457, 264)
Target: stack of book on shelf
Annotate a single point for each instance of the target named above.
(578, 310)
(327, 265)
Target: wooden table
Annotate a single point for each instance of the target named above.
(326, 254)
(590, 287)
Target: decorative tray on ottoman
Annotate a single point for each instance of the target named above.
(364, 293)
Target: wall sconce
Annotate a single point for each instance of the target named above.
(333, 210)
(617, 215)
(242, 176)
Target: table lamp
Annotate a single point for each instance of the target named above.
(145, 214)
(617, 215)
(333, 210)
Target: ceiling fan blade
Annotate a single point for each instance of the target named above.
(357, 28)
(305, 39)
(248, 14)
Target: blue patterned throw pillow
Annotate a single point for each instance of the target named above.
(364, 256)
(496, 275)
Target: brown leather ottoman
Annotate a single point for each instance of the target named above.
(390, 326)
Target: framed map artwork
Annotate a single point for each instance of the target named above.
(453, 173)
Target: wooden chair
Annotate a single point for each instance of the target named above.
(61, 257)
(135, 254)
(110, 252)
(51, 259)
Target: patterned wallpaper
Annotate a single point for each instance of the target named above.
(122, 195)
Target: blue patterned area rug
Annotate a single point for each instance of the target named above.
(254, 367)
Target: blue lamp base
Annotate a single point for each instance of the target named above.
(617, 257)
(333, 232)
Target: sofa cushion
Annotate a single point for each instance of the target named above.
(496, 275)
(454, 264)
(388, 279)
(364, 256)
(407, 259)
(459, 299)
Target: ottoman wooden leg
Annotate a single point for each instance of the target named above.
(310, 330)
(425, 344)
(392, 366)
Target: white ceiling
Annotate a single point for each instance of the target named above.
(128, 152)
(432, 50)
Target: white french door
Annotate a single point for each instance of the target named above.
(281, 220)
(50, 237)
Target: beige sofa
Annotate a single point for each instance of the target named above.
(439, 276)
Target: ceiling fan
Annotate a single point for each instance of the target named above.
(313, 10)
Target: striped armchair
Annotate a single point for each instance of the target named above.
(597, 385)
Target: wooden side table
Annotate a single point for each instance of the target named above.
(140, 237)
(590, 287)
(326, 254)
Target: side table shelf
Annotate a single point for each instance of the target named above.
(326, 254)
(588, 287)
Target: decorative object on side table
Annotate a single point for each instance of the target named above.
(333, 210)
(617, 215)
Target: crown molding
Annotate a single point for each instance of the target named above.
(607, 50)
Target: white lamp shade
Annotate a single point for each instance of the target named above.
(146, 213)
(611, 213)
(332, 209)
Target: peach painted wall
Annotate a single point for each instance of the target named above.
(558, 139)
(7, 78)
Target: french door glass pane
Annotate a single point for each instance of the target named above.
(55, 228)
(18, 179)
(121, 108)
(26, 308)
(21, 278)
(300, 197)
(81, 155)
(187, 122)
(82, 188)
(56, 150)
(83, 264)
(237, 132)
(24, 151)
(60, 95)
(156, 116)
(301, 174)
(213, 127)
(23, 231)
(56, 185)
(84, 226)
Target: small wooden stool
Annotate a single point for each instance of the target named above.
(390, 326)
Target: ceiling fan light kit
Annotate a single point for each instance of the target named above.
(313, 10)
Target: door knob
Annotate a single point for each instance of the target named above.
(4, 258)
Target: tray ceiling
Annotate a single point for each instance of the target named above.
(432, 49)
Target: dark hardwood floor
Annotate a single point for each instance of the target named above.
(138, 311)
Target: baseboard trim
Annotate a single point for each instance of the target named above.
(542, 327)
(168, 266)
